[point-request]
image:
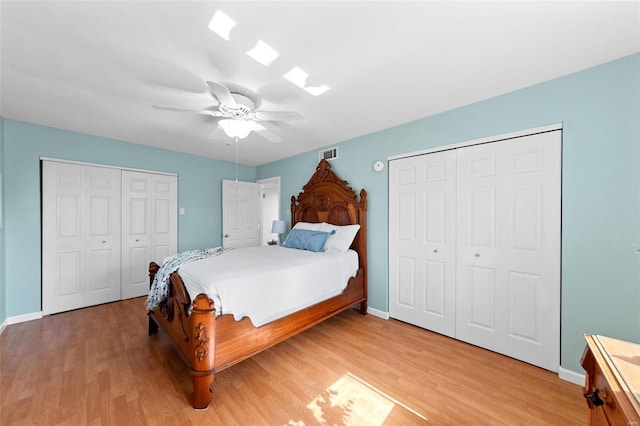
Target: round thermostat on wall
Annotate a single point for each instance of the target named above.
(378, 166)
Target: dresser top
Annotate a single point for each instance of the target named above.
(625, 362)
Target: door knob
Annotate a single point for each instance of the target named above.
(435, 250)
(477, 255)
(103, 241)
(226, 235)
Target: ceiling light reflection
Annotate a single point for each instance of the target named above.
(318, 90)
(297, 77)
(263, 53)
(221, 24)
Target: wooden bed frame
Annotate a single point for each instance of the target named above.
(209, 344)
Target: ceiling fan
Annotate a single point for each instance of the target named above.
(238, 114)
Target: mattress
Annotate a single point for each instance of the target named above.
(268, 282)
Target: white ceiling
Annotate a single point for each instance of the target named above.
(97, 67)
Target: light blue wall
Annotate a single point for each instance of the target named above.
(3, 310)
(600, 112)
(199, 192)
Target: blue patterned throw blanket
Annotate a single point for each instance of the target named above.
(160, 287)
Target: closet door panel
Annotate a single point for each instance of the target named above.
(523, 300)
(81, 236)
(531, 248)
(435, 287)
(62, 238)
(165, 216)
(68, 284)
(478, 301)
(103, 194)
(406, 279)
(149, 219)
(514, 232)
(422, 241)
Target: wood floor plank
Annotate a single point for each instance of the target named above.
(98, 366)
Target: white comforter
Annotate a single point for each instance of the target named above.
(266, 283)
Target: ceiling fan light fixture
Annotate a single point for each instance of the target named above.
(263, 53)
(221, 24)
(297, 77)
(236, 128)
(318, 90)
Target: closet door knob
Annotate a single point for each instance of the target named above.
(477, 255)
(435, 250)
(103, 241)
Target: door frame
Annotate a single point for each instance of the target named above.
(106, 166)
(487, 139)
(267, 226)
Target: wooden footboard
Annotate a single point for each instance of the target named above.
(192, 328)
(209, 345)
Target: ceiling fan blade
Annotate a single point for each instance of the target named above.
(277, 115)
(197, 111)
(267, 134)
(222, 94)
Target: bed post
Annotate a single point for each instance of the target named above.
(202, 350)
(153, 269)
(362, 246)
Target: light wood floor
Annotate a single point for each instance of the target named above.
(98, 366)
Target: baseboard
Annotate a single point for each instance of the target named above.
(24, 318)
(3, 325)
(571, 376)
(377, 313)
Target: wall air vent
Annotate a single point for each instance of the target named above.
(328, 154)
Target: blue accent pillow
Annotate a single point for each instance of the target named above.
(305, 239)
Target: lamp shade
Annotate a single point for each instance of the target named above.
(235, 128)
(278, 227)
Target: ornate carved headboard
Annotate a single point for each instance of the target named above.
(327, 198)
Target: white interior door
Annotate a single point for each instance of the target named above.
(240, 214)
(422, 242)
(80, 236)
(508, 264)
(149, 226)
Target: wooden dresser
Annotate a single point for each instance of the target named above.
(612, 385)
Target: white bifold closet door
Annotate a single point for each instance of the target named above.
(149, 226)
(422, 241)
(101, 227)
(81, 236)
(501, 288)
(508, 264)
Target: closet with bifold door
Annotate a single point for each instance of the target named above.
(474, 243)
(101, 226)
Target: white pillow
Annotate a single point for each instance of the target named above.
(342, 239)
(310, 226)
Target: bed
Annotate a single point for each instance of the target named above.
(210, 343)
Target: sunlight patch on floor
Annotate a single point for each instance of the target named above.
(352, 401)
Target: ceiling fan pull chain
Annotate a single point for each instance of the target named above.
(236, 158)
